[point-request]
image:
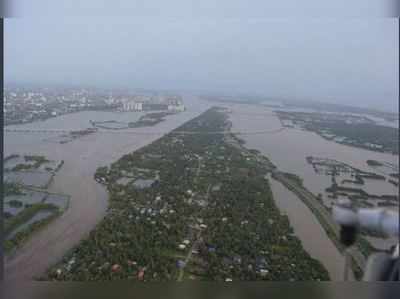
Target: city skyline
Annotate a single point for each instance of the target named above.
(351, 62)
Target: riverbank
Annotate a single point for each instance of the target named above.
(357, 131)
(325, 230)
(28, 205)
(209, 209)
(149, 119)
(326, 221)
(289, 149)
(88, 199)
(146, 120)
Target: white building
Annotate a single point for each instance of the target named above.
(138, 106)
(132, 106)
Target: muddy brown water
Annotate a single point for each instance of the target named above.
(288, 150)
(82, 157)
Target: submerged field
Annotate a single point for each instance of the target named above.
(27, 204)
(190, 207)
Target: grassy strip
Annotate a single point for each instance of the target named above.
(150, 119)
(293, 177)
(11, 189)
(38, 161)
(361, 245)
(22, 236)
(12, 156)
(25, 215)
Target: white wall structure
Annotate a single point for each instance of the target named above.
(132, 106)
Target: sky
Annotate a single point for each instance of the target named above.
(344, 61)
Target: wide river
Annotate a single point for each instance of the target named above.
(286, 148)
(81, 159)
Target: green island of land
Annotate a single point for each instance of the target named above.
(149, 119)
(355, 131)
(190, 207)
(31, 162)
(31, 214)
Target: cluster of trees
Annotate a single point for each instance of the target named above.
(149, 119)
(293, 177)
(139, 237)
(24, 216)
(357, 134)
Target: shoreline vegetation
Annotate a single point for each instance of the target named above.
(47, 115)
(304, 104)
(27, 214)
(357, 252)
(294, 183)
(335, 168)
(28, 211)
(209, 215)
(30, 162)
(362, 248)
(349, 130)
(73, 135)
(147, 120)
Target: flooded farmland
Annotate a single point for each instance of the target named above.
(307, 228)
(37, 217)
(288, 149)
(82, 156)
(29, 178)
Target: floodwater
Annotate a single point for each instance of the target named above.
(288, 150)
(308, 230)
(40, 215)
(88, 199)
(12, 162)
(59, 200)
(29, 197)
(29, 177)
(377, 120)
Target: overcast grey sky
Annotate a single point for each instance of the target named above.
(347, 61)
